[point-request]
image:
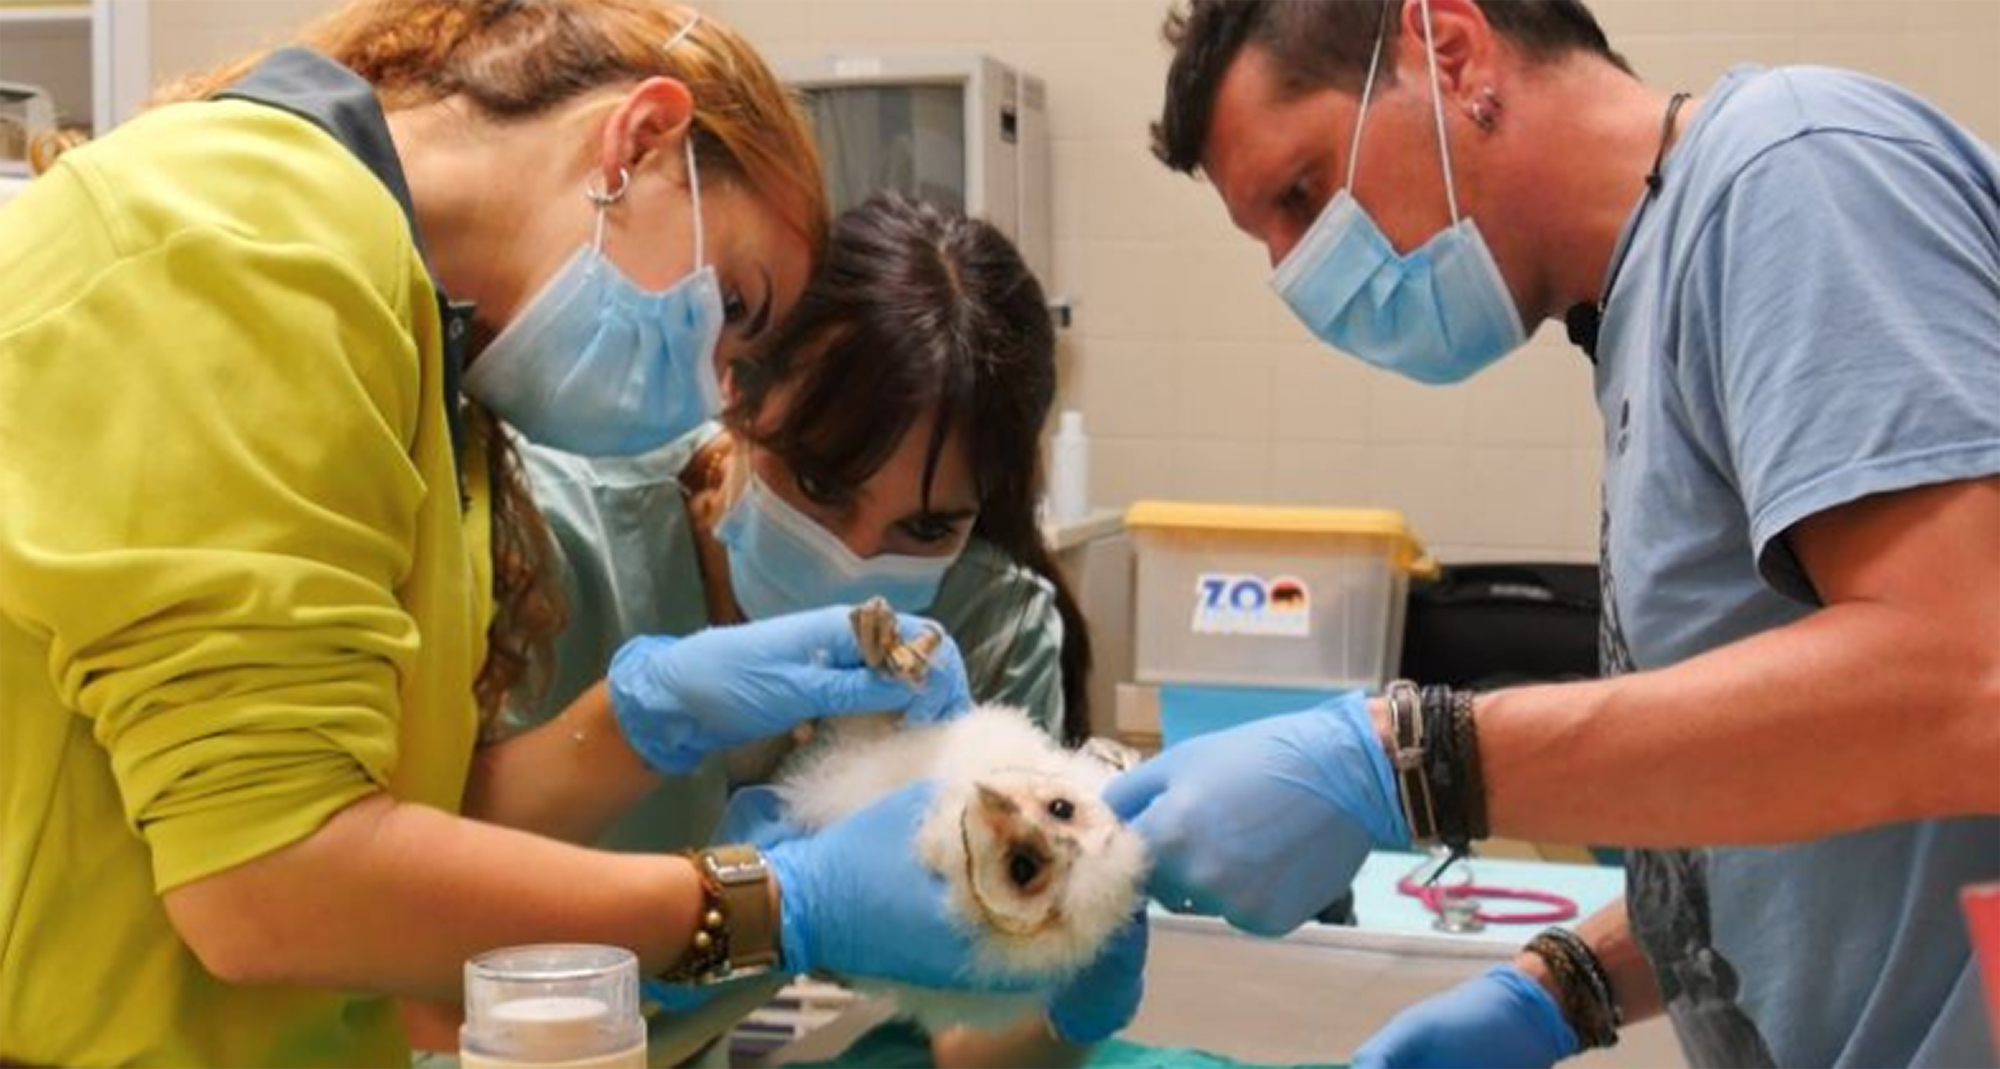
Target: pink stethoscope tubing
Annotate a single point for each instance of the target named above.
(1559, 908)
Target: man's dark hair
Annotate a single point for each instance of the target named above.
(1325, 44)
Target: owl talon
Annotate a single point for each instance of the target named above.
(874, 631)
(881, 648)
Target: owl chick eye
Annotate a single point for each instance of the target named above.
(1062, 809)
(1022, 868)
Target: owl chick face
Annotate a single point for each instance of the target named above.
(1024, 836)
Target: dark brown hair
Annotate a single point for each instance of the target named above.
(515, 59)
(1325, 44)
(915, 309)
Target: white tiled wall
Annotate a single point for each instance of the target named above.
(190, 35)
(1194, 380)
(1196, 383)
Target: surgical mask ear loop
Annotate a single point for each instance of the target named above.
(1367, 91)
(694, 192)
(694, 176)
(604, 199)
(1437, 109)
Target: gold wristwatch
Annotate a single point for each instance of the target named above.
(737, 935)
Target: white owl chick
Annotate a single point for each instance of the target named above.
(1040, 870)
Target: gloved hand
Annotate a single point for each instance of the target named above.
(1502, 1019)
(1266, 823)
(1102, 1000)
(756, 816)
(679, 700)
(855, 900)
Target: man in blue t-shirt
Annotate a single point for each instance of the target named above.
(1790, 287)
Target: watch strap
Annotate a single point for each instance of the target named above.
(743, 880)
(1410, 748)
(736, 932)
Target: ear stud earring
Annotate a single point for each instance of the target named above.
(1486, 110)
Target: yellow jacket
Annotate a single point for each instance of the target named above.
(238, 589)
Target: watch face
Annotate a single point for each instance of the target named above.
(741, 868)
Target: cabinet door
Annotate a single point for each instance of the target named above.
(121, 59)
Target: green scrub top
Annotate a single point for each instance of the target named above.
(626, 541)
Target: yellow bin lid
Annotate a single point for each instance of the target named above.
(1386, 524)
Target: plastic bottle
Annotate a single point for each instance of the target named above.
(1069, 470)
(574, 1006)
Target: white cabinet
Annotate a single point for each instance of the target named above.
(94, 57)
(1095, 554)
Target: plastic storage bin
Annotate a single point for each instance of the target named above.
(1270, 597)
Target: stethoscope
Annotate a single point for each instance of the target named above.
(1456, 905)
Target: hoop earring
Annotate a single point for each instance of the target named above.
(598, 195)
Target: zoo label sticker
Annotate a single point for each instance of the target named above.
(1234, 604)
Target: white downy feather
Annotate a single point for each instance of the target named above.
(1020, 803)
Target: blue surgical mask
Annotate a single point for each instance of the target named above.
(781, 561)
(1438, 314)
(597, 366)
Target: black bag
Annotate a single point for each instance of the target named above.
(1492, 625)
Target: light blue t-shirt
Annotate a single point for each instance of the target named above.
(1808, 314)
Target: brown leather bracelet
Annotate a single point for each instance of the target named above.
(1474, 773)
(737, 935)
(1583, 987)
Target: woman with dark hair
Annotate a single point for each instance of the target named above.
(884, 442)
(923, 358)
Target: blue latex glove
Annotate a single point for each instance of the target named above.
(1102, 1000)
(756, 816)
(679, 700)
(1502, 1019)
(855, 900)
(1266, 823)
